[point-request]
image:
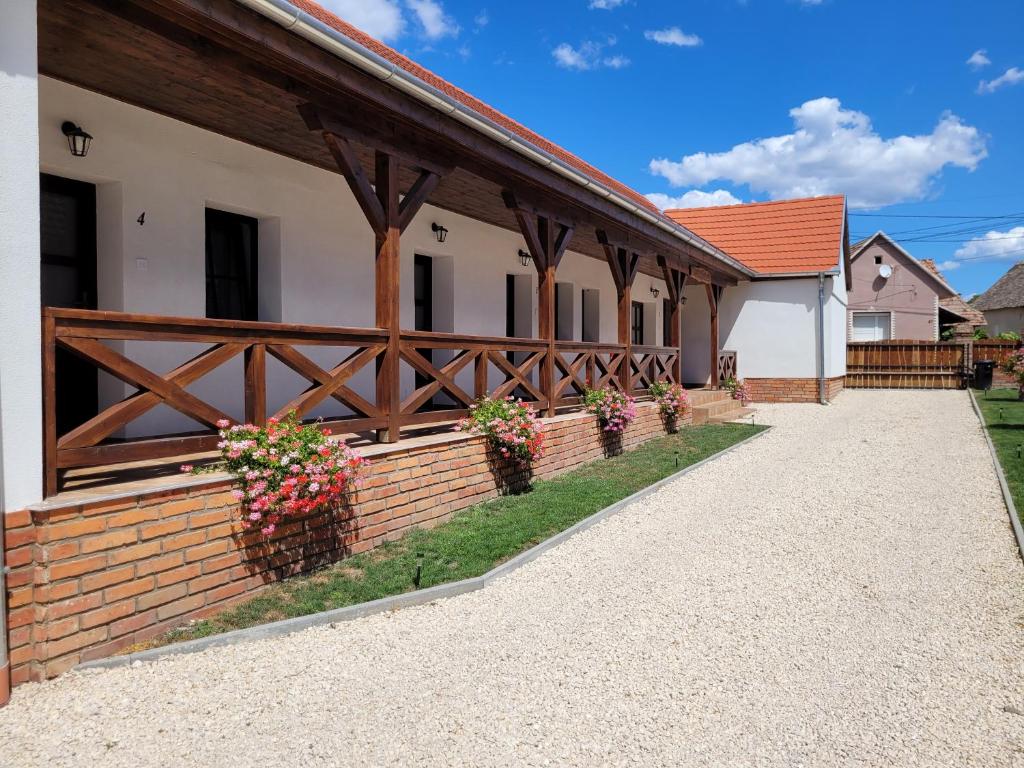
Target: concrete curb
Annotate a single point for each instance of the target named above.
(407, 599)
(1018, 531)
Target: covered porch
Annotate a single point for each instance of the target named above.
(358, 173)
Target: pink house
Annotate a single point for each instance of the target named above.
(896, 296)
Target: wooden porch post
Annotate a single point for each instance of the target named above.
(623, 264)
(675, 279)
(388, 217)
(546, 240)
(386, 302)
(714, 295)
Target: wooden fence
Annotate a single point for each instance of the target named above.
(919, 364)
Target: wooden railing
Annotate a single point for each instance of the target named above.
(727, 368)
(452, 371)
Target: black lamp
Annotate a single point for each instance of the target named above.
(439, 231)
(78, 140)
(655, 292)
(524, 258)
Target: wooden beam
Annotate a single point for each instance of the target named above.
(387, 270)
(416, 197)
(546, 239)
(358, 182)
(229, 36)
(675, 279)
(714, 293)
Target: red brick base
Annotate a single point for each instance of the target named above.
(88, 580)
(792, 390)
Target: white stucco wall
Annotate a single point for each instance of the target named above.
(316, 263)
(20, 400)
(772, 326)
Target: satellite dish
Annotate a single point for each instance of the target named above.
(885, 271)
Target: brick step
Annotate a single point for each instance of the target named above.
(733, 415)
(704, 396)
(703, 413)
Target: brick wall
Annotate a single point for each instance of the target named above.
(89, 580)
(792, 390)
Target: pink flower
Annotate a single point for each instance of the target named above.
(186, 468)
(222, 423)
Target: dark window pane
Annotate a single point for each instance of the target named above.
(232, 265)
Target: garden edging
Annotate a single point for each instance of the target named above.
(404, 600)
(1011, 508)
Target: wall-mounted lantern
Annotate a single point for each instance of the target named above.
(78, 140)
(441, 233)
(524, 258)
(655, 292)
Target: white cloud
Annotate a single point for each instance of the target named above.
(1012, 76)
(831, 151)
(381, 19)
(993, 246)
(695, 198)
(978, 59)
(588, 56)
(672, 36)
(432, 18)
(605, 5)
(482, 19)
(947, 266)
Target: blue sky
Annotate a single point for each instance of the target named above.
(913, 109)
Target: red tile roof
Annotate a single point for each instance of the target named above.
(464, 98)
(781, 237)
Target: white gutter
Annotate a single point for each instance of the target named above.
(286, 15)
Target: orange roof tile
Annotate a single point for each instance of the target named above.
(780, 237)
(464, 98)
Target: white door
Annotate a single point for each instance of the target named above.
(870, 326)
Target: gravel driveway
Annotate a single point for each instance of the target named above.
(842, 591)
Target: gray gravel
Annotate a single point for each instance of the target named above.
(843, 591)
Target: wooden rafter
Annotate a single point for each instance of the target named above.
(675, 280)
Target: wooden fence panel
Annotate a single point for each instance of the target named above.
(906, 365)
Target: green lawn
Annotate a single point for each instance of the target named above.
(1004, 417)
(475, 540)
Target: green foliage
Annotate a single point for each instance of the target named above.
(477, 539)
(1008, 336)
(980, 334)
(1003, 412)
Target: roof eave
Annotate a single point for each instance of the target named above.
(320, 34)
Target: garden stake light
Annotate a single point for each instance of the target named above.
(419, 570)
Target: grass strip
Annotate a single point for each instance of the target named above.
(475, 540)
(1004, 419)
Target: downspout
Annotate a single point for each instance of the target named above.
(821, 339)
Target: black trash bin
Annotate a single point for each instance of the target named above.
(983, 374)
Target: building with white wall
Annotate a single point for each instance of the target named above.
(225, 187)
(787, 325)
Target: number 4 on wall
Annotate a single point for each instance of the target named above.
(142, 218)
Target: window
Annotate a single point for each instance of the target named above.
(591, 314)
(232, 266)
(423, 302)
(878, 259)
(870, 326)
(638, 323)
